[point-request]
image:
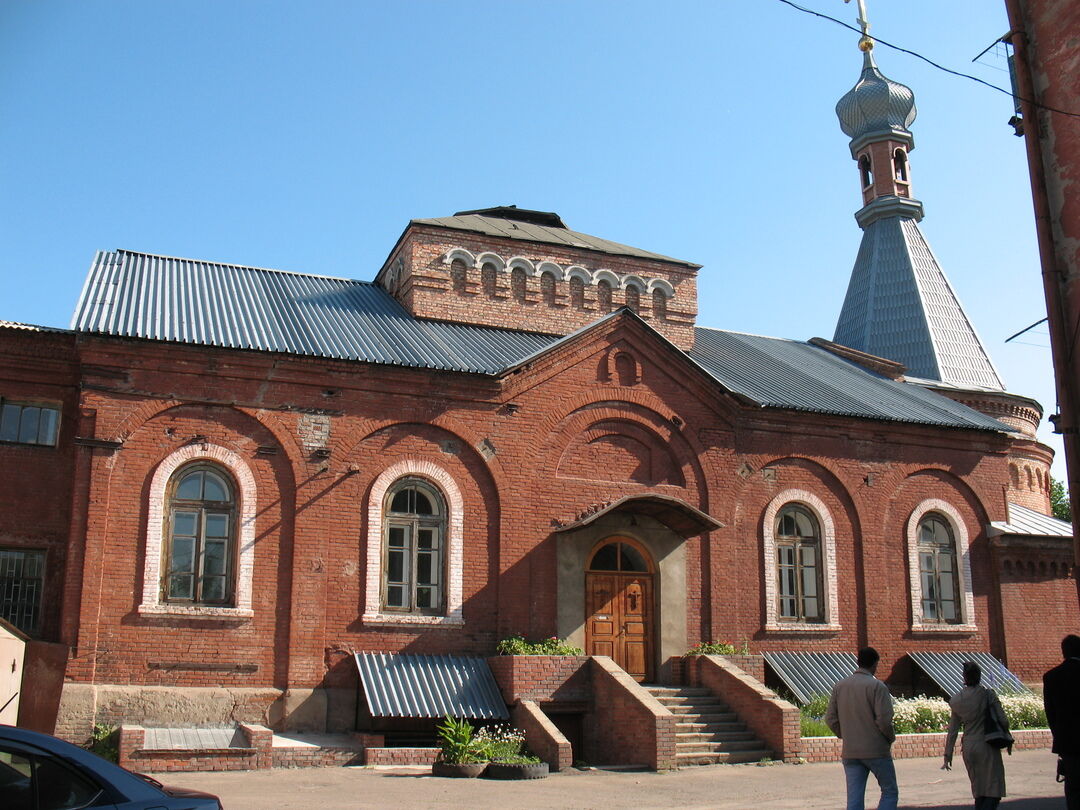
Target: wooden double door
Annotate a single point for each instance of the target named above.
(619, 607)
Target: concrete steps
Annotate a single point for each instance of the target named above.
(707, 732)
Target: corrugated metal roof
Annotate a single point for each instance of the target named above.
(1029, 522)
(400, 685)
(161, 298)
(946, 669)
(900, 305)
(808, 674)
(800, 376)
(29, 327)
(529, 232)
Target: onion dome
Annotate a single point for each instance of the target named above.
(876, 107)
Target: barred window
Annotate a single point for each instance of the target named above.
(22, 576)
(199, 556)
(27, 423)
(413, 554)
(798, 565)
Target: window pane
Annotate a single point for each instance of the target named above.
(184, 523)
(808, 555)
(945, 584)
(606, 559)
(787, 608)
(395, 596)
(809, 582)
(948, 611)
(787, 582)
(47, 424)
(60, 788)
(217, 525)
(214, 489)
(395, 564)
(929, 610)
(786, 525)
(213, 589)
(422, 504)
(180, 586)
(804, 525)
(398, 536)
(929, 586)
(427, 570)
(926, 562)
(425, 597)
(214, 558)
(28, 425)
(190, 487)
(21, 585)
(9, 423)
(786, 555)
(631, 559)
(945, 563)
(183, 555)
(810, 608)
(425, 538)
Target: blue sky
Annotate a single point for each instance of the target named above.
(305, 135)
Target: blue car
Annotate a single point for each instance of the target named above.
(41, 772)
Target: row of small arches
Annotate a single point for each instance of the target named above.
(605, 282)
(1036, 479)
(1042, 569)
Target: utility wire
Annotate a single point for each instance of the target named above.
(930, 62)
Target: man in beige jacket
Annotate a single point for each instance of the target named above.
(860, 713)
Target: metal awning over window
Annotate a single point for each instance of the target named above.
(399, 685)
(808, 674)
(946, 670)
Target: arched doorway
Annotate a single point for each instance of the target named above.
(619, 607)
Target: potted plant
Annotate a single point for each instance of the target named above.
(505, 747)
(460, 754)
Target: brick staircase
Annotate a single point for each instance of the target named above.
(707, 732)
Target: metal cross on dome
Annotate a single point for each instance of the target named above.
(865, 43)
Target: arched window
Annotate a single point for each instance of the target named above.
(200, 552)
(618, 556)
(487, 280)
(577, 293)
(517, 284)
(900, 165)
(865, 172)
(458, 275)
(603, 296)
(633, 299)
(938, 570)
(798, 566)
(659, 304)
(547, 288)
(414, 532)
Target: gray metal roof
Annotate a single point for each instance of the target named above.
(29, 327)
(161, 298)
(808, 674)
(1025, 521)
(400, 685)
(899, 305)
(946, 669)
(529, 232)
(795, 375)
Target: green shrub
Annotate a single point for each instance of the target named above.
(105, 742)
(812, 727)
(457, 743)
(816, 706)
(719, 648)
(517, 645)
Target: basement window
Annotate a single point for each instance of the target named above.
(22, 579)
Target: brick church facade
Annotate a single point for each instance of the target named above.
(223, 481)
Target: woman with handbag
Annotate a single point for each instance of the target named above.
(986, 732)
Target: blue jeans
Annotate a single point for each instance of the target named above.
(857, 770)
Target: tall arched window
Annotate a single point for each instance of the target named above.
(633, 299)
(659, 305)
(938, 571)
(798, 566)
(865, 172)
(900, 165)
(414, 532)
(577, 293)
(517, 284)
(200, 553)
(603, 296)
(547, 288)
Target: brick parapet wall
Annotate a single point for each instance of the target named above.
(909, 746)
(774, 720)
(542, 678)
(400, 756)
(630, 726)
(542, 737)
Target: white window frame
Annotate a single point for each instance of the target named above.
(813, 504)
(963, 558)
(152, 603)
(373, 613)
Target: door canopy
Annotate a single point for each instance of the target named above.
(677, 515)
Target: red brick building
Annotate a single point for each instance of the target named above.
(223, 480)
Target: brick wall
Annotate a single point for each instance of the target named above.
(542, 737)
(629, 726)
(773, 720)
(907, 746)
(542, 678)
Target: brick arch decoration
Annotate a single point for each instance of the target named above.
(817, 507)
(455, 552)
(155, 524)
(963, 554)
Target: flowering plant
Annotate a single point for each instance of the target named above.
(503, 744)
(517, 645)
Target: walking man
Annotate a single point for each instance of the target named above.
(860, 713)
(1061, 694)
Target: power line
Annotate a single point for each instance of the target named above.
(929, 61)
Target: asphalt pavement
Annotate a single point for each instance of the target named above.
(1029, 777)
